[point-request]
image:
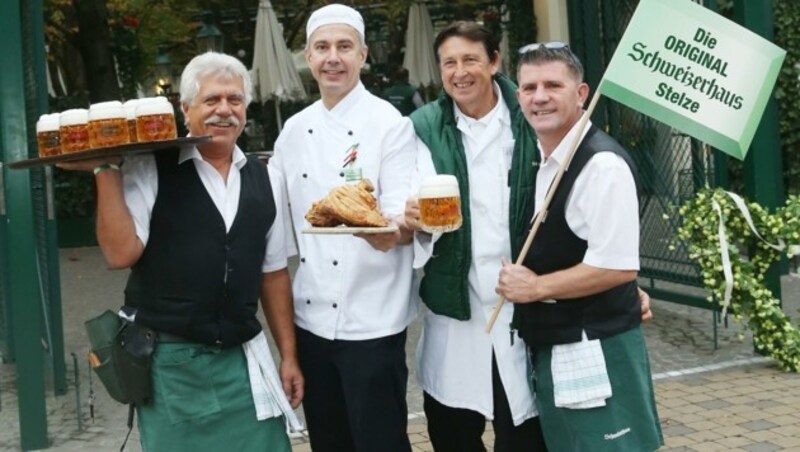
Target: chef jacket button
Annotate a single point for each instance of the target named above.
(302, 259)
(335, 262)
(350, 132)
(308, 301)
(310, 130)
(341, 174)
(305, 175)
(335, 306)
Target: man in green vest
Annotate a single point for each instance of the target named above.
(476, 132)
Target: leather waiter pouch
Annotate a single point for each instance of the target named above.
(121, 356)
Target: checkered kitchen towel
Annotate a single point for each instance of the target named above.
(580, 379)
(268, 395)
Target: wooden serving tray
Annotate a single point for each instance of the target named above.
(123, 149)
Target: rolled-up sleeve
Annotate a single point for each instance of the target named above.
(280, 238)
(140, 186)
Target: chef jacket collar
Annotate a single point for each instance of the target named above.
(346, 108)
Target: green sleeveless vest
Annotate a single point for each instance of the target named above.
(445, 288)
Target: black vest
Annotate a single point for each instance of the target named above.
(193, 279)
(555, 248)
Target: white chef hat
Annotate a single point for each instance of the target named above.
(335, 14)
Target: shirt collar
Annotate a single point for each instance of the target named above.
(560, 152)
(499, 111)
(187, 153)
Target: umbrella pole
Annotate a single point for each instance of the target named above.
(278, 113)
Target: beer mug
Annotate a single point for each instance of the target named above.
(439, 204)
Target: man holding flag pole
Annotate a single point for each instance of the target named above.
(574, 292)
(576, 299)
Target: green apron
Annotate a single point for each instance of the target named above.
(203, 402)
(628, 422)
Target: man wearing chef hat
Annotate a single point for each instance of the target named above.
(351, 293)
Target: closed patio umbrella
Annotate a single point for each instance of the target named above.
(419, 58)
(274, 73)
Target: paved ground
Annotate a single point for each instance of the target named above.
(709, 400)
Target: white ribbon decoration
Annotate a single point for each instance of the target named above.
(726, 258)
(723, 244)
(746, 213)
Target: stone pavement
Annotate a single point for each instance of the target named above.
(724, 399)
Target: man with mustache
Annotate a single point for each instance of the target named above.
(351, 294)
(202, 231)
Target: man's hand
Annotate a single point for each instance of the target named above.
(516, 283)
(411, 215)
(383, 241)
(292, 380)
(388, 240)
(644, 299)
(88, 165)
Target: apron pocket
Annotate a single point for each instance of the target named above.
(183, 382)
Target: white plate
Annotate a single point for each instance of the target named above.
(350, 230)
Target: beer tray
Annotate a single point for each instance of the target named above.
(111, 151)
(350, 230)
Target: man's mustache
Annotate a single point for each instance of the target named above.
(217, 119)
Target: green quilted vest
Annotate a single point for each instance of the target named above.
(445, 288)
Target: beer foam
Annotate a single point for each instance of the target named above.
(439, 186)
(75, 116)
(107, 112)
(48, 123)
(130, 108)
(110, 103)
(154, 107)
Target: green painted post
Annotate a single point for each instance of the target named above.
(35, 14)
(763, 165)
(26, 308)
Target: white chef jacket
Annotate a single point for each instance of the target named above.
(140, 185)
(454, 358)
(602, 208)
(344, 288)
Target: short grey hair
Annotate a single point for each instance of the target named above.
(213, 64)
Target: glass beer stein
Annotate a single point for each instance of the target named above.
(439, 204)
(47, 135)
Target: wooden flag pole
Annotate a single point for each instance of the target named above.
(546, 204)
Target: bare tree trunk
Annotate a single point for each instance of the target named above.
(94, 42)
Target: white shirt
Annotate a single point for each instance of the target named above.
(344, 288)
(602, 208)
(140, 183)
(454, 358)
